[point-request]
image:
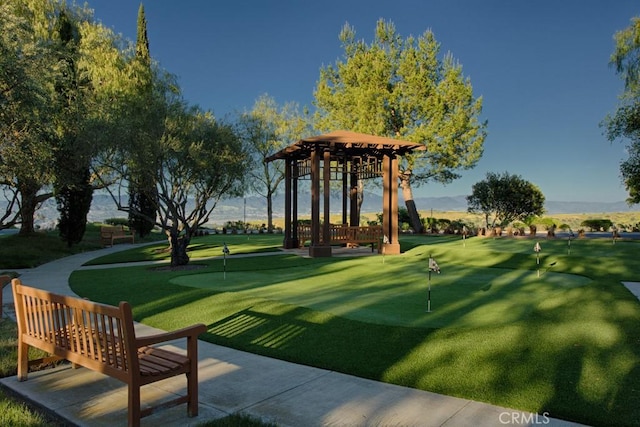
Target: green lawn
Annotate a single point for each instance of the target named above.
(201, 247)
(562, 336)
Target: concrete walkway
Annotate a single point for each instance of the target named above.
(233, 381)
(634, 288)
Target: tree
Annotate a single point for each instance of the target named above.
(597, 224)
(25, 115)
(49, 106)
(504, 198)
(625, 122)
(266, 129)
(195, 163)
(202, 162)
(142, 191)
(72, 152)
(401, 88)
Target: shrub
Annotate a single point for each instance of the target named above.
(597, 224)
(117, 221)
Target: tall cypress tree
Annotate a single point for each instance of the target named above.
(142, 40)
(72, 188)
(142, 187)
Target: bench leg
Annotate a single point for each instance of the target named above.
(192, 392)
(23, 361)
(192, 377)
(134, 405)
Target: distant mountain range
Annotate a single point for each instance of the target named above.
(253, 208)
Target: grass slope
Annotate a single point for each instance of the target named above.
(566, 343)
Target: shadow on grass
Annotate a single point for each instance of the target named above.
(335, 343)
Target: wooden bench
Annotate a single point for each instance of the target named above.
(345, 235)
(110, 233)
(102, 338)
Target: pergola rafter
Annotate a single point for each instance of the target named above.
(349, 157)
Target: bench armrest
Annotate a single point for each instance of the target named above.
(188, 332)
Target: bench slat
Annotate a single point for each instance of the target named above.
(154, 361)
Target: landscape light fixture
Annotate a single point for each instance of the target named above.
(433, 266)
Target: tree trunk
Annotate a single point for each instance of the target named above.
(269, 212)
(407, 194)
(359, 202)
(28, 192)
(179, 246)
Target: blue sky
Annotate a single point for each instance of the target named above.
(540, 66)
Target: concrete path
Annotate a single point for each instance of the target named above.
(233, 381)
(634, 288)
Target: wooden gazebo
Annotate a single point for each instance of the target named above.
(348, 157)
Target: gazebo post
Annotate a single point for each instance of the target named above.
(320, 242)
(315, 199)
(345, 191)
(295, 238)
(353, 208)
(326, 231)
(288, 226)
(390, 204)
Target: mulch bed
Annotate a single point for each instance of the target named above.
(187, 267)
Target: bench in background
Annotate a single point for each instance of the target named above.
(109, 234)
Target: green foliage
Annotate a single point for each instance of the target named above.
(625, 122)
(116, 221)
(503, 198)
(26, 67)
(28, 251)
(265, 130)
(403, 88)
(404, 218)
(143, 207)
(431, 224)
(597, 224)
(547, 223)
(143, 204)
(72, 153)
(74, 202)
(403, 215)
(61, 73)
(142, 39)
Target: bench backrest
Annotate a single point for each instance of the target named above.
(94, 335)
(112, 229)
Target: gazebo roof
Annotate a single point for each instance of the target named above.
(346, 142)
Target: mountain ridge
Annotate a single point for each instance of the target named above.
(253, 208)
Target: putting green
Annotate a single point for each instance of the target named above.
(396, 292)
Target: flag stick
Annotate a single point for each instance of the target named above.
(429, 293)
(433, 266)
